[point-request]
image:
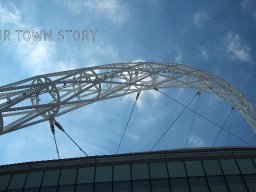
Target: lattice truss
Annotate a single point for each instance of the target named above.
(44, 97)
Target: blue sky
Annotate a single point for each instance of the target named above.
(217, 36)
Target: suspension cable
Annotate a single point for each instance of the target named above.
(230, 125)
(55, 141)
(192, 122)
(137, 96)
(207, 119)
(61, 128)
(222, 126)
(160, 138)
(187, 108)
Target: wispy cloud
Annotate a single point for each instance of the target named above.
(138, 60)
(133, 136)
(213, 100)
(204, 53)
(245, 4)
(113, 10)
(249, 7)
(18, 149)
(35, 57)
(142, 97)
(41, 57)
(180, 92)
(196, 141)
(9, 16)
(200, 18)
(237, 48)
(178, 58)
(100, 53)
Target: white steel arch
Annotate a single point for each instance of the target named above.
(47, 96)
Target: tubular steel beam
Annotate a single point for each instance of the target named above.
(44, 97)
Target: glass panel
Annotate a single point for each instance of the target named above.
(85, 175)
(17, 181)
(122, 173)
(15, 190)
(68, 177)
(235, 183)
(141, 186)
(246, 166)
(34, 179)
(48, 189)
(84, 188)
(103, 174)
(198, 184)
(160, 185)
(179, 185)
(122, 186)
(4, 181)
(217, 184)
(176, 169)
(66, 188)
(51, 178)
(140, 171)
(158, 170)
(229, 166)
(103, 187)
(194, 168)
(36, 189)
(212, 167)
(250, 182)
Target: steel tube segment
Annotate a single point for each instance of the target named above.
(1, 123)
(55, 94)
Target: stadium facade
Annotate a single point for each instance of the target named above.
(192, 170)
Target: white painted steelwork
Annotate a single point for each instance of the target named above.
(44, 97)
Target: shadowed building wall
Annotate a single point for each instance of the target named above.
(201, 169)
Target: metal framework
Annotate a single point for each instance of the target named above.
(44, 97)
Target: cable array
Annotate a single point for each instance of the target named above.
(222, 126)
(186, 107)
(137, 96)
(161, 137)
(54, 122)
(205, 118)
(55, 141)
(192, 122)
